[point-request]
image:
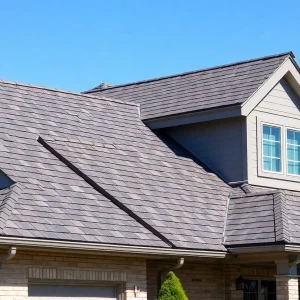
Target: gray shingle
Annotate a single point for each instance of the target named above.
(259, 217)
(204, 89)
(158, 180)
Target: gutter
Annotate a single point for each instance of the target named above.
(266, 248)
(81, 246)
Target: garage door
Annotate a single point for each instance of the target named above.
(71, 292)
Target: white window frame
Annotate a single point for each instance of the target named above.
(287, 170)
(281, 148)
(285, 124)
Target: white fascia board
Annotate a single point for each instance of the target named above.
(196, 117)
(286, 68)
(53, 244)
(256, 249)
(262, 249)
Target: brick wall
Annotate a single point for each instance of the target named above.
(27, 266)
(232, 272)
(207, 281)
(201, 280)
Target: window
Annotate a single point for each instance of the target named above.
(268, 290)
(271, 148)
(293, 152)
(260, 289)
(250, 290)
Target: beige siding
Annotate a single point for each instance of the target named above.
(282, 101)
(280, 107)
(220, 144)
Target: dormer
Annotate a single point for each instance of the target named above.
(241, 120)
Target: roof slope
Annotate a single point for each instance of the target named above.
(199, 90)
(104, 138)
(257, 215)
(256, 218)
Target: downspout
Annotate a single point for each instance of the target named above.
(163, 272)
(11, 254)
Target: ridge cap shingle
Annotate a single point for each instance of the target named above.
(67, 92)
(97, 89)
(8, 203)
(281, 217)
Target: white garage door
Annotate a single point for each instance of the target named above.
(71, 292)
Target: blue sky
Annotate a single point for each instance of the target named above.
(77, 44)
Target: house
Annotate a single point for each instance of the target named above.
(103, 192)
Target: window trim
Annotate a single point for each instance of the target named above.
(281, 148)
(275, 121)
(286, 144)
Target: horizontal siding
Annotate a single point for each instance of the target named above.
(281, 106)
(218, 144)
(282, 100)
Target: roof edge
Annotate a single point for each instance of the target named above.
(82, 246)
(94, 90)
(67, 92)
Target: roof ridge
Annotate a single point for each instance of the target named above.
(281, 217)
(96, 89)
(8, 203)
(68, 92)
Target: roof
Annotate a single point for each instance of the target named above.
(260, 216)
(98, 174)
(205, 89)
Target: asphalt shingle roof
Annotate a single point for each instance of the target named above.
(257, 215)
(151, 175)
(195, 91)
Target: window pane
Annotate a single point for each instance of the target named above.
(290, 152)
(276, 165)
(297, 153)
(252, 296)
(276, 150)
(297, 168)
(267, 148)
(267, 164)
(266, 132)
(275, 134)
(297, 138)
(291, 169)
(290, 136)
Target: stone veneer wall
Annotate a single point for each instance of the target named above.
(27, 266)
(207, 281)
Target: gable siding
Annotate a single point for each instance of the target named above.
(282, 101)
(280, 107)
(220, 144)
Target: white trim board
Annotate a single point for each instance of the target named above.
(288, 69)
